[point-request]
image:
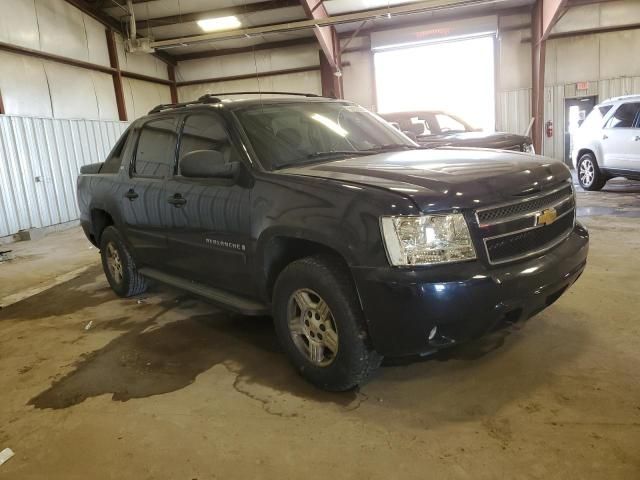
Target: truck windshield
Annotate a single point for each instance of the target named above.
(292, 134)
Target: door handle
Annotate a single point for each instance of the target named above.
(636, 138)
(177, 200)
(131, 194)
(604, 137)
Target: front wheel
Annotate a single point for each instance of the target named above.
(321, 326)
(589, 175)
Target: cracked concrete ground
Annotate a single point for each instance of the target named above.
(166, 386)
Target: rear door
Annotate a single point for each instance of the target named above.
(621, 138)
(144, 197)
(210, 219)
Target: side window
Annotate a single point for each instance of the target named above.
(156, 151)
(594, 119)
(206, 132)
(114, 160)
(624, 116)
(449, 124)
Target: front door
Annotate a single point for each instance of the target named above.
(210, 219)
(143, 194)
(621, 138)
(576, 111)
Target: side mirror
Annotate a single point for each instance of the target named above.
(207, 164)
(91, 168)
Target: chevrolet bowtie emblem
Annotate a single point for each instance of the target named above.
(547, 216)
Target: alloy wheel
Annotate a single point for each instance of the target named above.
(114, 263)
(312, 327)
(586, 172)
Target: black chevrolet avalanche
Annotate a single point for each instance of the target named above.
(359, 243)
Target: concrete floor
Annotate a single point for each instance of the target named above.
(166, 386)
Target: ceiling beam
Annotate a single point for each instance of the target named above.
(220, 12)
(552, 10)
(326, 35)
(294, 42)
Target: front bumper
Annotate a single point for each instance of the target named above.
(462, 300)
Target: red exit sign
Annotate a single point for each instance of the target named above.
(582, 86)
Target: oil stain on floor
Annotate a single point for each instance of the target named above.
(154, 358)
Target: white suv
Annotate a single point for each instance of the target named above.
(607, 144)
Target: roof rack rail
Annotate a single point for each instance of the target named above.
(167, 106)
(210, 98)
(209, 95)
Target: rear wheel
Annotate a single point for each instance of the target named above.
(320, 324)
(118, 265)
(589, 175)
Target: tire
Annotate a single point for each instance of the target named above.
(347, 358)
(589, 175)
(123, 279)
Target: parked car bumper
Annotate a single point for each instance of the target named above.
(464, 300)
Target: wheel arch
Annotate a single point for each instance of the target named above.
(100, 219)
(279, 248)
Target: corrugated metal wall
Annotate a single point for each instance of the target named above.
(40, 159)
(514, 111)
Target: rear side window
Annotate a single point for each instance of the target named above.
(156, 150)
(624, 116)
(206, 132)
(114, 160)
(594, 119)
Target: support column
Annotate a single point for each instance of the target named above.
(117, 75)
(538, 49)
(171, 72)
(331, 83)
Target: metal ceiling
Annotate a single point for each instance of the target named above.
(172, 22)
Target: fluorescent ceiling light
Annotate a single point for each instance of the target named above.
(220, 23)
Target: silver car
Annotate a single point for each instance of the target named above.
(607, 144)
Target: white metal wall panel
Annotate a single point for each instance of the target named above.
(72, 91)
(105, 96)
(40, 159)
(141, 96)
(20, 27)
(514, 111)
(248, 63)
(98, 51)
(61, 28)
(616, 87)
(302, 82)
(23, 84)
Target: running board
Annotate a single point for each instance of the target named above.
(228, 300)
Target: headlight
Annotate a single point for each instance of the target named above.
(528, 148)
(427, 239)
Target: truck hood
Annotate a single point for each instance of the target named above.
(443, 179)
(497, 140)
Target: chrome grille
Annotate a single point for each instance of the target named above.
(512, 231)
(490, 215)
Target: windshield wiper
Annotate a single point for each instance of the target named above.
(390, 147)
(331, 153)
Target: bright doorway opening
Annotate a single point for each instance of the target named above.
(454, 76)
